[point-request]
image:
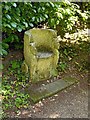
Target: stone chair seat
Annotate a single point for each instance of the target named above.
(44, 54)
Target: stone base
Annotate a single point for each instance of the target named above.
(50, 89)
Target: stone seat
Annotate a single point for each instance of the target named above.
(40, 53)
(44, 54)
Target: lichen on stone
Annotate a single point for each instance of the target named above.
(40, 53)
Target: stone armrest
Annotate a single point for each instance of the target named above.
(33, 48)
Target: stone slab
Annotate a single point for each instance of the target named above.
(50, 89)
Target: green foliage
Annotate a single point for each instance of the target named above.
(67, 52)
(62, 66)
(11, 39)
(83, 65)
(13, 84)
(76, 48)
(20, 16)
(15, 65)
(1, 67)
(3, 49)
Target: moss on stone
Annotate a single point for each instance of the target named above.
(42, 41)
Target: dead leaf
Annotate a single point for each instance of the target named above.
(24, 112)
(56, 95)
(54, 115)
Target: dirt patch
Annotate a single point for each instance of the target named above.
(12, 55)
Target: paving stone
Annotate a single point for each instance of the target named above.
(50, 89)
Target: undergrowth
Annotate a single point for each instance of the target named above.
(14, 81)
(13, 84)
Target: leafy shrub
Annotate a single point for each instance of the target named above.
(62, 66)
(18, 17)
(3, 48)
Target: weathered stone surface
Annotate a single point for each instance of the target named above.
(50, 89)
(40, 53)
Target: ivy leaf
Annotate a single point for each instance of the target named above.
(8, 16)
(46, 15)
(52, 4)
(25, 24)
(31, 24)
(8, 25)
(58, 22)
(34, 11)
(38, 20)
(13, 24)
(43, 8)
(68, 11)
(15, 65)
(15, 5)
(41, 19)
(7, 7)
(4, 52)
(5, 45)
(65, 52)
(60, 15)
(19, 29)
(33, 18)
